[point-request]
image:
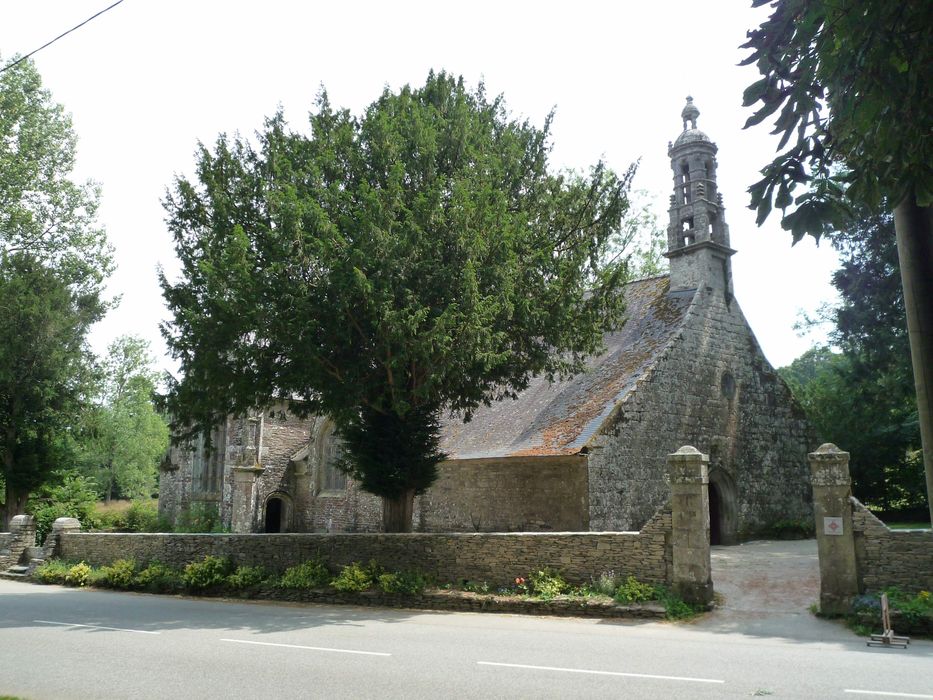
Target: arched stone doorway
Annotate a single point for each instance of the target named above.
(715, 520)
(275, 514)
(722, 508)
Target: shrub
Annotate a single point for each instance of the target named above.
(208, 573)
(405, 582)
(634, 591)
(307, 575)
(474, 586)
(914, 610)
(605, 584)
(111, 516)
(78, 575)
(675, 608)
(53, 571)
(792, 530)
(354, 577)
(248, 577)
(143, 516)
(74, 496)
(546, 584)
(158, 578)
(200, 517)
(120, 574)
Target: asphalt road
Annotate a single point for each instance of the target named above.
(65, 643)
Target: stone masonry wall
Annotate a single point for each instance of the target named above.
(494, 557)
(507, 495)
(283, 433)
(888, 557)
(712, 388)
(353, 510)
(13, 544)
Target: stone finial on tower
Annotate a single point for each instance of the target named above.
(698, 238)
(690, 114)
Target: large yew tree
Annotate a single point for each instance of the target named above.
(851, 85)
(417, 259)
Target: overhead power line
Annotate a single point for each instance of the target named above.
(77, 26)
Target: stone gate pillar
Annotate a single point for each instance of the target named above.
(244, 498)
(54, 541)
(689, 474)
(832, 509)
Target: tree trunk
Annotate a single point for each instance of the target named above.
(397, 512)
(914, 226)
(15, 504)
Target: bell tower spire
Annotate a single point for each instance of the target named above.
(697, 236)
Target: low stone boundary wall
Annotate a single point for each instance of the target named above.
(902, 558)
(497, 558)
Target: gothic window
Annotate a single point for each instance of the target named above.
(331, 450)
(207, 464)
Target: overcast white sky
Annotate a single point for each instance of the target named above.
(145, 81)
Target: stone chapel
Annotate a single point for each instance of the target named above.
(587, 453)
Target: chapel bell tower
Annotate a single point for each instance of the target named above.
(697, 237)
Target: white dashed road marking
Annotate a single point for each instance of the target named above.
(299, 646)
(603, 673)
(888, 694)
(93, 627)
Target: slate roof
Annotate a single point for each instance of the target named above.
(558, 419)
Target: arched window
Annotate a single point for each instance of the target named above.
(330, 451)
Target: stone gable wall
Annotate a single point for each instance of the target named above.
(493, 557)
(711, 388)
(888, 557)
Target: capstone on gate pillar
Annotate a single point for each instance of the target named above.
(689, 475)
(832, 509)
(54, 540)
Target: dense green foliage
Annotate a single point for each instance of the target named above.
(208, 573)
(307, 575)
(65, 495)
(355, 578)
(418, 259)
(123, 437)
(246, 577)
(851, 86)
(44, 372)
(862, 398)
(120, 574)
(53, 261)
(852, 81)
(403, 582)
(158, 578)
(631, 590)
